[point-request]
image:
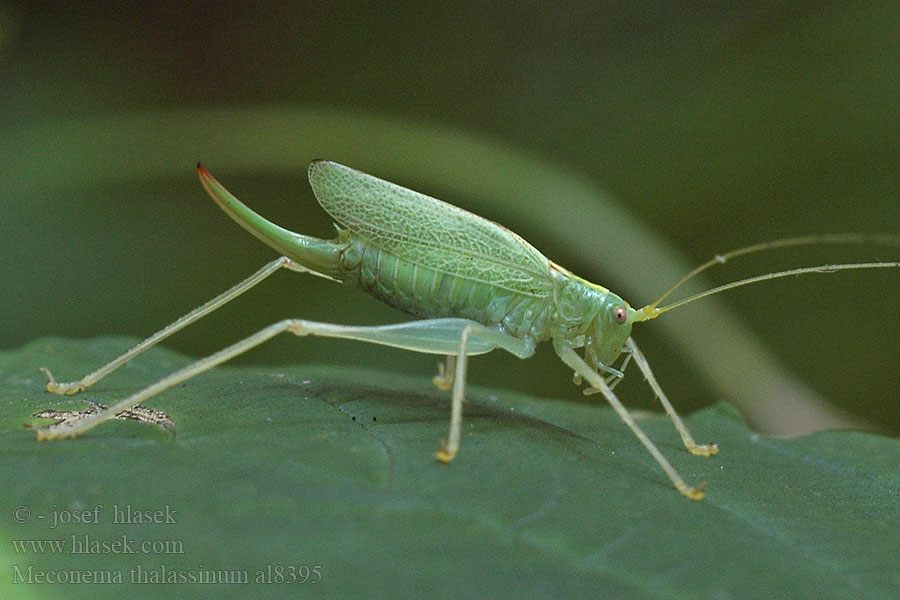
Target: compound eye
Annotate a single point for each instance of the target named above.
(620, 314)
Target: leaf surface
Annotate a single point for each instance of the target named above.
(305, 466)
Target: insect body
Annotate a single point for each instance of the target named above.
(478, 285)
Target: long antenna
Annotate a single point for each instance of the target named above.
(877, 239)
(886, 239)
(651, 312)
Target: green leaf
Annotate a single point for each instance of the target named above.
(270, 470)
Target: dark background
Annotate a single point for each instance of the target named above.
(717, 125)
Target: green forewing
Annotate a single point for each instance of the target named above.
(428, 232)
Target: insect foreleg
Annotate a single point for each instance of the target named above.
(686, 437)
(613, 380)
(85, 382)
(576, 363)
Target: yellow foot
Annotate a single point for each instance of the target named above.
(442, 383)
(444, 455)
(54, 386)
(443, 380)
(694, 493)
(703, 449)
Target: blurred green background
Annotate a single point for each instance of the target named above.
(712, 125)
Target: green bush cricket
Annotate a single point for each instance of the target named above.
(477, 286)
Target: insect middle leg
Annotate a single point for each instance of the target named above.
(444, 378)
(457, 376)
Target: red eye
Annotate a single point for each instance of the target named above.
(620, 313)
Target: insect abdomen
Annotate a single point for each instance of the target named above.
(428, 292)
